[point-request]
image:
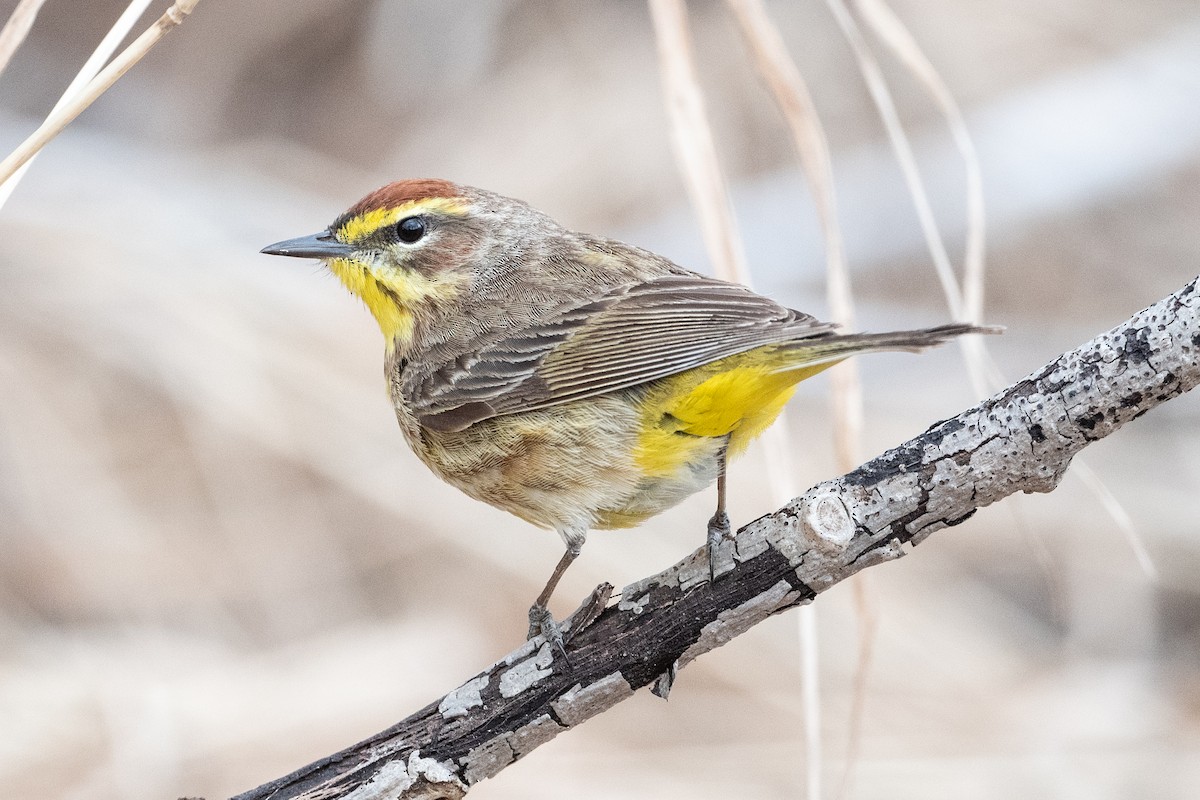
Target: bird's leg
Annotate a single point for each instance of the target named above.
(718, 526)
(540, 619)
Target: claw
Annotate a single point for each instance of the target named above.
(718, 530)
(541, 623)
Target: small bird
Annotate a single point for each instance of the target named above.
(575, 381)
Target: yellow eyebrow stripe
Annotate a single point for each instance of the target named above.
(363, 225)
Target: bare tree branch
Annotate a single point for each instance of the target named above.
(1020, 439)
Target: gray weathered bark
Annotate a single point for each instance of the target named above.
(1020, 439)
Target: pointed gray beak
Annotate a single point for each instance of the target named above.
(318, 245)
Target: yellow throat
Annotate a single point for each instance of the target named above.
(390, 289)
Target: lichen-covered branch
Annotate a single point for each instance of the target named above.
(1019, 440)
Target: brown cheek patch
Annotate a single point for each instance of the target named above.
(400, 192)
(456, 246)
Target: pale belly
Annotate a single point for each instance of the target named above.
(611, 461)
(572, 466)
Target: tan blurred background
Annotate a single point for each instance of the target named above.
(218, 561)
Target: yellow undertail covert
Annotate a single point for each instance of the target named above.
(739, 397)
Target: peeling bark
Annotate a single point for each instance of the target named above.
(1020, 439)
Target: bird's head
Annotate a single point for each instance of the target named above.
(414, 246)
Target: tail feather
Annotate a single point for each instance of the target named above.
(835, 347)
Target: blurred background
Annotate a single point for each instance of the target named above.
(219, 561)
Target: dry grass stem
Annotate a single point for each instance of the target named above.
(1112, 506)
(868, 628)
(810, 669)
(967, 303)
(57, 121)
(701, 170)
(791, 94)
(87, 72)
(893, 33)
(693, 140)
(886, 107)
(969, 300)
(17, 28)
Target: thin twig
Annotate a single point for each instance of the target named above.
(87, 72)
(56, 122)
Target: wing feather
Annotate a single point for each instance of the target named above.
(633, 335)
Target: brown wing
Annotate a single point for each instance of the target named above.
(632, 335)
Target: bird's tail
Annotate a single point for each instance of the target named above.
(835, 347)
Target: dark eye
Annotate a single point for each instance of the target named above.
(410, 229)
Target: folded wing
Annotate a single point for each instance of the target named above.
(632, 335)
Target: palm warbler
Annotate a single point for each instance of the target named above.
(575, 381)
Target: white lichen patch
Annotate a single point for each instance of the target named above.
(896, 497)
(889, 551)
(683, 574)
(694, 571)
(752, 540)
(397, 777)
(950, 496)
(391, 779)
(526, 673)
(464, 698)
(580, 702)
(492, 756)
(786, 537)
(636, 605)
(532, 734)
(736, 621)
(819, 574)
(520, 654)
(487, 759)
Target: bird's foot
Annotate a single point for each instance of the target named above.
(718, 530)
(542, 623)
